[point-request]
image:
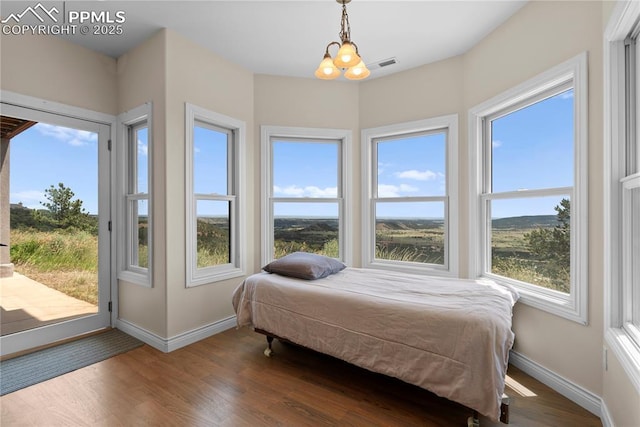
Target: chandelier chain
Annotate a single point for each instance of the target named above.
(345, 28)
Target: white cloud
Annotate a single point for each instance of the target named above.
(143, 149)
(29, 198)
(382, 166)
(567, 95)
(389, 190)
(495, 143)
(308, 191)
(74, 137)
(417, 175)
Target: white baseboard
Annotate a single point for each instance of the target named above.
(167, 345)
(605, 416)
(571, 391)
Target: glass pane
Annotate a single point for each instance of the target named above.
(52, 225)
(305, 169)
(309, 227)
(634, 238)
(531, 240)
(410, 231)
(412, 166)
(533, 147)
(142, 163)
(140, 216)
(213, 232)
(210, 160)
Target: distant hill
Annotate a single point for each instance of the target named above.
(519, 222)
(323, 225)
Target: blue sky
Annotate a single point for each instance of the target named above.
(46, 155)
(531, 149)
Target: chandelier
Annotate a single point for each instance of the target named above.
(347, 56)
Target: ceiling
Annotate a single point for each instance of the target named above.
(289, 38)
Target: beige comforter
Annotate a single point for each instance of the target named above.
(449, 336)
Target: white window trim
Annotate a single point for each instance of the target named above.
(344, 229)
(574, 305)
(621, 23)
(132, 274)
(202, 276)
(448, 123)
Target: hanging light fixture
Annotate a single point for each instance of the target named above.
(347, 56)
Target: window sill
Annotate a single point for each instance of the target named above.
(213, 277)
(431, 270)
(553, 302)
(135, 278)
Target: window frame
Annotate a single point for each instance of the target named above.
(571, 73)
(622, 338)
(369, 137)
(236, 196)
(127, 124)
(344, 137)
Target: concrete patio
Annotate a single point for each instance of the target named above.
(27, 304)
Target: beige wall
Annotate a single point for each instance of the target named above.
(55, 70)
(142, 78)
(428, 91)
(197, 76)
(619, 394)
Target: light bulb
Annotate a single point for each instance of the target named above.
(347, 56)
(326, 70)
(357, 72)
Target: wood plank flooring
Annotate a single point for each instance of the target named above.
(226, 380)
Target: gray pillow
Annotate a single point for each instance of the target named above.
(304, 265)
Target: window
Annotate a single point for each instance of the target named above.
(630, 193)
(215, 208)
(410, 198)
(622, 187)
(305, 191)
(529, 206)
(135, 232)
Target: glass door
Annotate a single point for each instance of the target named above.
(54, 227)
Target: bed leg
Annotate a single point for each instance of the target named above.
(504, 409)
(268, 351)
(474, 420)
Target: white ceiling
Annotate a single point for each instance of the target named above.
(289, 37)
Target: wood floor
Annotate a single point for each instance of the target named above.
(226, 380)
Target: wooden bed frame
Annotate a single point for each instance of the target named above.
(472, 421)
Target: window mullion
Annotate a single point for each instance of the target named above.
(519, 194)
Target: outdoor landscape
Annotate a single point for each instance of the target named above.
(57, 245)
(533, 249)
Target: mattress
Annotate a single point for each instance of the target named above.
(449, 336)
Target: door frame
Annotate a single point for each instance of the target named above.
(45, 336)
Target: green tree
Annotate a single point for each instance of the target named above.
(553, 246)
(63, 211)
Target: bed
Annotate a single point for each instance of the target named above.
(449, 336)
